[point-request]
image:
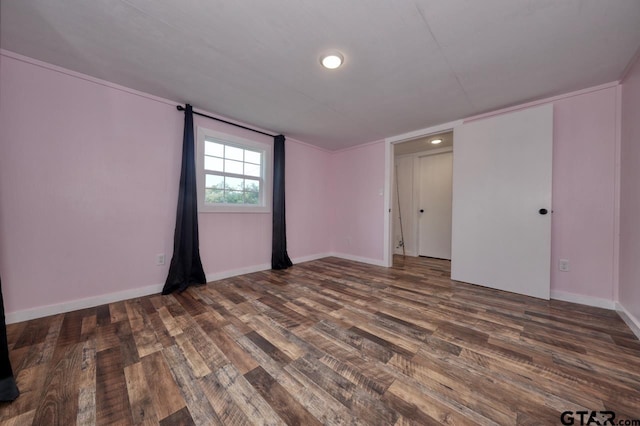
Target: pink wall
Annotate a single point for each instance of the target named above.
(88, 184)
(358, 203)
(584, 193)
(87, 178)
(309, 200)
(629, 290)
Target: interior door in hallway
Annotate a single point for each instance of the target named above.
(434, 214)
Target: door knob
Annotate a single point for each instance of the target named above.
(543, 211)
(421, 210)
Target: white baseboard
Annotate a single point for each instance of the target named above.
(235, 272)
(88, 302)
(262, 267)
(632, 321)
(583, 300)
(302, 259)
(376, 262)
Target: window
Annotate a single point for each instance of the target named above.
(234, 174)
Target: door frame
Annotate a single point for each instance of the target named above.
(389, 178)
(415, 177)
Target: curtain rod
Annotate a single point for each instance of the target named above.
(181, 108)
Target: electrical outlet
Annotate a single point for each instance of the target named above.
(563, 265)
(160, 258)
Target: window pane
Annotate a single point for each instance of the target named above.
(252, 185)
(252, 157)
(234, 167)
(213, 164)
(212, 196)
(214, 181)
(236, 184)
(251, 197)
(252, 169)
(234, 197)
(214, 149)
(233, 153)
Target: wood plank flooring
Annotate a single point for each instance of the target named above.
(325, 342)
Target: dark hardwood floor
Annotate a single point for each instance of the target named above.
(325, 342)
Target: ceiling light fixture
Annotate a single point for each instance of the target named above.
(332, 60)
(436, 141)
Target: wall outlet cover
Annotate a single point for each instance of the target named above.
(563, 265)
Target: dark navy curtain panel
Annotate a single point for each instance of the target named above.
(8, 388)
(279, 257)
(186, 267)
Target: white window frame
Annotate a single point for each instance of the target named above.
(264, 206)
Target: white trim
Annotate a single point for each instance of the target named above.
(629, 67)
(415, 201)
(266, 149)
(616, 194)
(73, 305)
(85, 77)
(216, 276)
(439, 128)
(450, 125)
(412, 250)
(389, 179)
(387, 227)
(308, 145)
(109, 84)
(370, 261)
(542, 101)
(309, 258)
(362, 145)
(90, 302)
(346, 256)
(596, 302)
(627, 317)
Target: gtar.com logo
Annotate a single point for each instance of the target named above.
(596, 418)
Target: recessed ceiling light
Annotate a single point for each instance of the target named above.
(332, 60)
(436, 141)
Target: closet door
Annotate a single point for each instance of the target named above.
(502, 202)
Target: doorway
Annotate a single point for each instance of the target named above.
(422, 195)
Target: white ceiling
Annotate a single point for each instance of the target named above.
(409, 64)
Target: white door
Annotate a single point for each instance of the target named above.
(502, 202)
(434, 214)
